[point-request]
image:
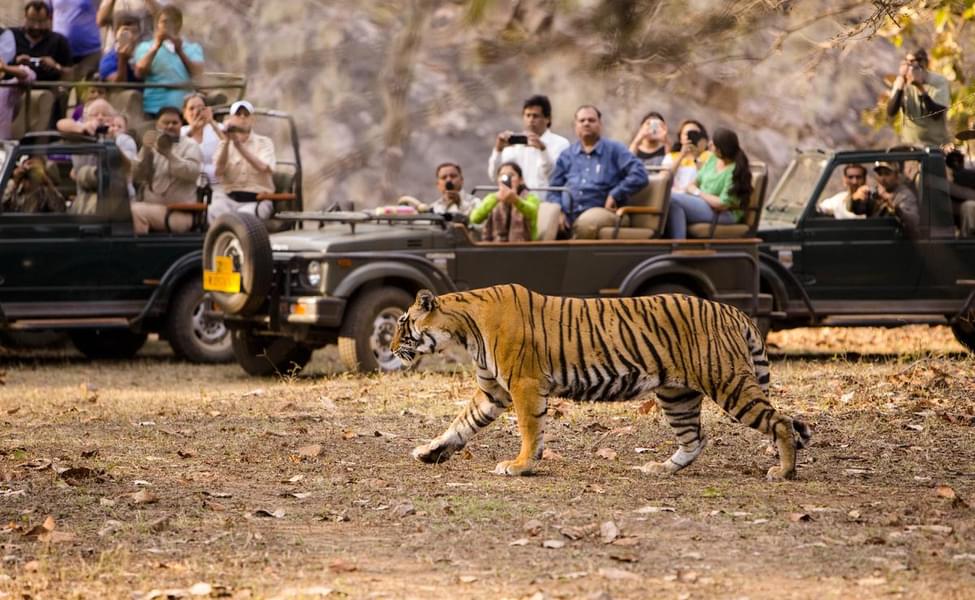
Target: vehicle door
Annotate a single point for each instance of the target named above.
(857, 258)
(52, 257)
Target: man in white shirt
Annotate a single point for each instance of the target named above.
(245, 164)
(535, 149)
(840, 205)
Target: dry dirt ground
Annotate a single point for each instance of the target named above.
(154, 478)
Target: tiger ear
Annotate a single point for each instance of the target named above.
(426, 300)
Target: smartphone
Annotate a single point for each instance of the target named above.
(517, 138)
(506, 180)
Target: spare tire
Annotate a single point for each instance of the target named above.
(244, 239)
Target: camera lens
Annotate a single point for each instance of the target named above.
(449, 186)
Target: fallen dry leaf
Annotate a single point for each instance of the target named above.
(185, 453)
(553, 544)
(46, 526)
(617, 574)
(608, 532)
(532, 527)
(519, 542)
(467, 579)
(144, 497)
(340, 565)
(275, 514)
(799, 517)
(73, 476)
(648, 407)
(310, 451)
(646, 510)
(625, 557)
(404, 509)
(607, 453)
(548, 454)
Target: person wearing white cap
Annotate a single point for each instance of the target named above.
(245, 164)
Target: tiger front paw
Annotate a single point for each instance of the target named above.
(432, 453)
(780, 474)
(513, 467)
(660, 469)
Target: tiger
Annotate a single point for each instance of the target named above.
(528, 347)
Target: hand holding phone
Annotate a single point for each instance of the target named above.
(517, 138)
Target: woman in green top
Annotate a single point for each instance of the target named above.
(723, 184)
(511, 213)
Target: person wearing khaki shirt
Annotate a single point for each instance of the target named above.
(924, 97)
(168, 167)
(244, 164)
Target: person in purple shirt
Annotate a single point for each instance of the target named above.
(75, 20)
(601, 175)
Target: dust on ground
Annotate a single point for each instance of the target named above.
(154, 478)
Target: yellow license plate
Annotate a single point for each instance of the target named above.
(224, 279)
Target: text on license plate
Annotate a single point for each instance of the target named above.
(223, 279)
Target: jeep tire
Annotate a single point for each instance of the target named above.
(108, 343)
(368, 327)
(964, 330)
(265, 355)
(193, 334)
(242, 237)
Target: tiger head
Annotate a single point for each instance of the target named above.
(422, 329)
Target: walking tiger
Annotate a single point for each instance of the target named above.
(528, 347)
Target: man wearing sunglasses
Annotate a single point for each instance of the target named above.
(841, 204)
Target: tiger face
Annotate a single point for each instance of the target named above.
(422, 329)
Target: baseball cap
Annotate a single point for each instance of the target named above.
(883, 164)
(241, 104)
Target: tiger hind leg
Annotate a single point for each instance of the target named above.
(743, 399)
(682, 408)
(480, 412)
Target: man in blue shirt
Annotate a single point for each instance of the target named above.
(601, 175)
(167, 58)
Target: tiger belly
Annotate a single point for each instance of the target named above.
(600, 384)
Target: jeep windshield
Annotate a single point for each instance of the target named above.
(789, 198)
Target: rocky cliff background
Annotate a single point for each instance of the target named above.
(383, 91)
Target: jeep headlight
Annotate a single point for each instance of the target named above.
(313, 273)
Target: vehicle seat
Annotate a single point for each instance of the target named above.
(753, 211)
(645, 216)
(284, 191)
(548, 221)
(197, 210)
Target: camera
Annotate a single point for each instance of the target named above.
(234, 129)
(34, 61)
(655, 126)
(517, 138)
(449, 186)
(694, 136)
(506, 180)
(101, 130)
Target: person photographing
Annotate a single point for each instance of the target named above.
(511, 213)
(923, 97)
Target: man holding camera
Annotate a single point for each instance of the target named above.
(244, 165)
(891, 198)
(535, 150)
(168, 167)
(923, 96)
(48, 55)
(453, 199)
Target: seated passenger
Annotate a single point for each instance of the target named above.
(48, 55)
(244, 166)
(96, 121)
(601, 175)
(689, 155)
(892, 197)
(841, 205)
(168, 167)
(511, 213)
(722, 186)
(649, 143)
(961, 188)
(31, 189)
(453, 199)
(167, 58)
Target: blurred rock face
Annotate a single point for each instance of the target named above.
(383, 91)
